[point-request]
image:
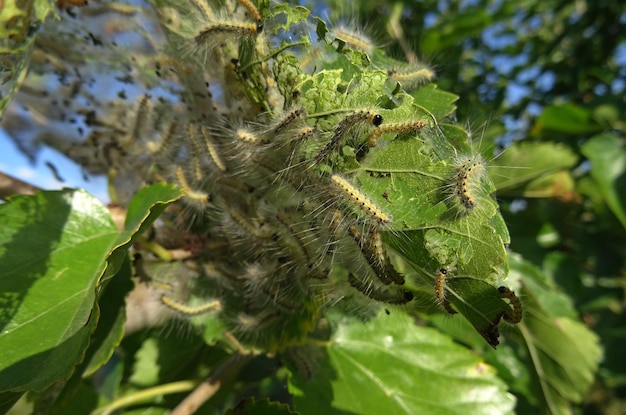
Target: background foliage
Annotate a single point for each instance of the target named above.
(546, 79)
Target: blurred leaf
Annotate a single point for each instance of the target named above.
(526, 161)
(145, 371)
(554, 185)
(563, 353)
(608, 168)
(568, 119)
(453, 30)
(8, 400)
(389, 365)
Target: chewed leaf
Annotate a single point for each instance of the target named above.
(443, 216)
(380, 366)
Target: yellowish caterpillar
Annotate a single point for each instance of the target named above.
(358, 199)
(467, 179)
(390, 297)
(242, 29)
(203, 8)
(217, 160)
(513, 316)
(297, 235)
(196, 152)
(212, 33)
(440, 291)
(254, 12)
(412, 77)
(168, 146)
(195, 195)
(397, 127)
(374, 252)
(246, 136)
(287, 119)
(344, 126)
(353, 39)
(191, 310)
(141, 119)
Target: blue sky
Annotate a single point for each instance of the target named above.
(14, 163)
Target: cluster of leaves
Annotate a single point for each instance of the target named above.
(347, 365)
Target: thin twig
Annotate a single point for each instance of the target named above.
(223, 374)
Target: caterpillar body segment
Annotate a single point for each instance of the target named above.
(440, 291)
(513, 316)
(344, 126)
(359, 199)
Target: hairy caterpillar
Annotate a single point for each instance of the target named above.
(440, 291)
(353, 39)
(513, 316)
(466, 181)
(411, 78)
(357, 198)
(344, 126)
(371, 246)
(242, 29)
(190, 310)
(208, 142)
(252, 9)
(398, 127)
(197, 197)
(391, 296)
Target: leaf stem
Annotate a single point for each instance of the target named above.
(146, 394)
(156, 248)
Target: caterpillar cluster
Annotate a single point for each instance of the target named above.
(267, 150)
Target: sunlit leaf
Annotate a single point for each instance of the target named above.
(389, 365)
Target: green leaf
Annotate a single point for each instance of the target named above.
(110, 330)
(567, 118)
(431, 231)
(54, 247)
(525, 161)
(439, 103)
(57, 245)
(142, 211)
(389, 365)
(294, 15)
(250, 406)
(608, 169)
(8, 400)
(562, 352)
